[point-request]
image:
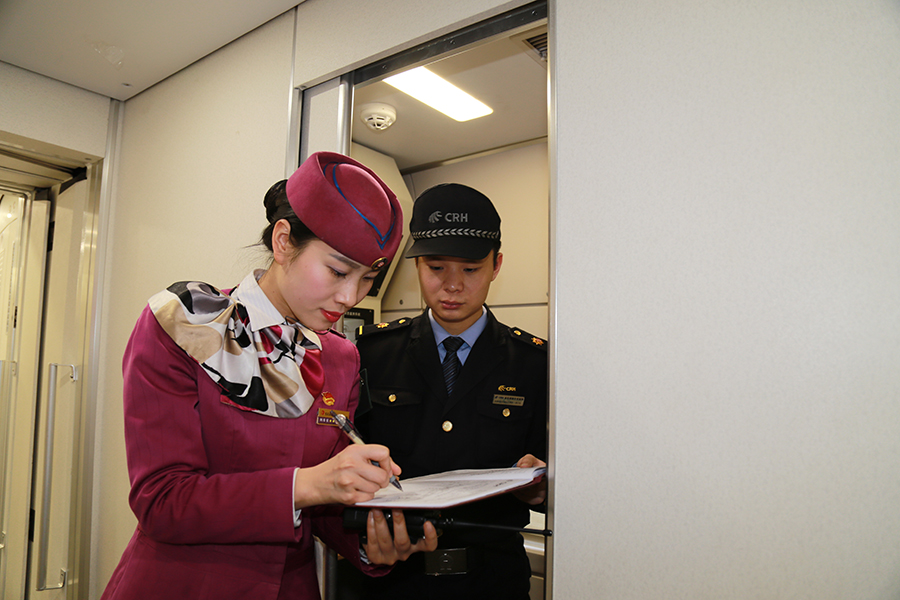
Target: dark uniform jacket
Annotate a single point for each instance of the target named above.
(496, 415)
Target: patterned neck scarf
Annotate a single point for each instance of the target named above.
(262, 363)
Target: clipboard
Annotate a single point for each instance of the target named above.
(453, 488)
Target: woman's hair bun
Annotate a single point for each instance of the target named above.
(275, 198)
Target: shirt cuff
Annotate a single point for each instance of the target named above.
(297, 511)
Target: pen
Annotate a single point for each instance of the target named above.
(348, 428)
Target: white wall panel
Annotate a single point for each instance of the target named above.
(43, 109)
(337, 36)
(198, 153)
(726, 299)
(322, 122)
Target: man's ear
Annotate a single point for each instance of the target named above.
(498, 262)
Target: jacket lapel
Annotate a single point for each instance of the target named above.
(422, 351)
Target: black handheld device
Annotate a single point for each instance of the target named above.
(354, 519)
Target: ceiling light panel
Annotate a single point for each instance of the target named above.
(439, 94)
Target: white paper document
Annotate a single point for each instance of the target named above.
(443, 490)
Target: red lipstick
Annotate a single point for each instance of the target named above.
(332, 316)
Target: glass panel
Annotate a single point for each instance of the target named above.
(11, 206)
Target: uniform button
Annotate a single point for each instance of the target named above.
(447, 426)
(505, 412)
(392, 398)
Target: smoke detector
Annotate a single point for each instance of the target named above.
(377, 116)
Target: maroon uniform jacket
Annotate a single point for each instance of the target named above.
(212, 485)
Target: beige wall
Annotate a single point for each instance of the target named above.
(52, 112)
(516, 181)
(198, 152)
(727, 219)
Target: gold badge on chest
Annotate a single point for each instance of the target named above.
(506, 400)
(324, 417)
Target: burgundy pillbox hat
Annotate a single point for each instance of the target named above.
(348, 207)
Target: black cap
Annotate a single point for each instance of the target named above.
(451, 219)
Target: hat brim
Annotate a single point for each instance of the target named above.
(455, 246)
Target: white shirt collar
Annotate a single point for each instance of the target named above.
(261, 311)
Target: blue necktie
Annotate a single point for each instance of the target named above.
(451, 362)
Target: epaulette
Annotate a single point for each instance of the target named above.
(523, 336)
(379, 327)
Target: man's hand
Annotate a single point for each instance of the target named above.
(533, 494)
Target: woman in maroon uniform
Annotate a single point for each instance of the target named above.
(234, 461)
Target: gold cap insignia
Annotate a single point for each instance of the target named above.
(382, 325)
(379, 263)
(537, 341)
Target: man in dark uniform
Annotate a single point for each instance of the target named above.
(453, 388)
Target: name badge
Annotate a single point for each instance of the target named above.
(509, 400)
(324, 417)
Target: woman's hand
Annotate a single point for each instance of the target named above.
(384, 549)
(536, 493)
(346, 478)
